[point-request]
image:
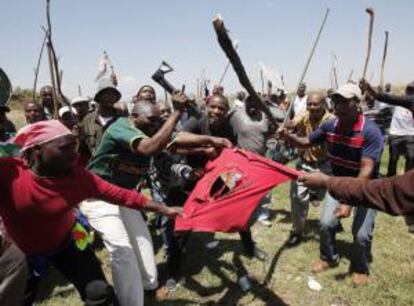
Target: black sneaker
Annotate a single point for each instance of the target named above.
(260, 254)
(244, 283)
(294, 240)
(171, 284)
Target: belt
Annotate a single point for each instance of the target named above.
(305, 165)
(126, 167)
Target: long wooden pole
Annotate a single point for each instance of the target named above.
(37, 69)
(384, 56)
(236, 45)
(305, 69)
(370, 12)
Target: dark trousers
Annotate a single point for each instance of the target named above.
(400, 145)
(83, 270)
(13, 274)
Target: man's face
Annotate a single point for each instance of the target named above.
(216, 111)
(218, 90)
(316, 107)
(82, 109)
(33, 113)
(150, 122)
(60, 153)
(147, 93)
(47, 97)
(165, 111)
(107, 99)
(301, 91)
(345, 109)
(251, 107)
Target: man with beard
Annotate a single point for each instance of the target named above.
(123, 158)
(215, 122)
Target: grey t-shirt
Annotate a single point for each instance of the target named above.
(251, 134)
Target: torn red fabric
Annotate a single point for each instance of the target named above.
(229, 192)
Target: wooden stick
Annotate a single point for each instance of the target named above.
(228, 48)
(305, 69)
(335, 75)
(384, 56)
(370, 12)
(262, 80)
(236, 45)
(37, 69)
(350, 75)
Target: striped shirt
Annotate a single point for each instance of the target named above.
(346, 149)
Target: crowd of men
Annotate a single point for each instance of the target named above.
(84, 169)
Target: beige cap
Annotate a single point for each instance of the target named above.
(79, 100)
(349, 91)
(65, 109)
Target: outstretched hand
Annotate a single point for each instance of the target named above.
(314, 179)
(172, 212)
(343, 211)
(219, 142)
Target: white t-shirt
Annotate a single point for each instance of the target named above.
(238, 104)
(299, 105)
(104, 120)
(402, 122)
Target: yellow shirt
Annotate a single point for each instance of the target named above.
(304, 127)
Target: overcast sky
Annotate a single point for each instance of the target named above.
(139, 34)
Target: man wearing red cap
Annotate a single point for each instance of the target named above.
(41, 220)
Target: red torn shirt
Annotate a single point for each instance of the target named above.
(232, 187)
(38, 213)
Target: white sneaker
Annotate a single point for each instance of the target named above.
(266, 222)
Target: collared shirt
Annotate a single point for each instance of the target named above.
(114, 159)
(92, 129)
(48, 115)
(304, 127)
(346, 149)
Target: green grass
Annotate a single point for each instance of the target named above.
(210, 277)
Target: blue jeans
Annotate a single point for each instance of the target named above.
(362, 230)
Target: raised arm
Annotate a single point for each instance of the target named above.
(158, 142)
